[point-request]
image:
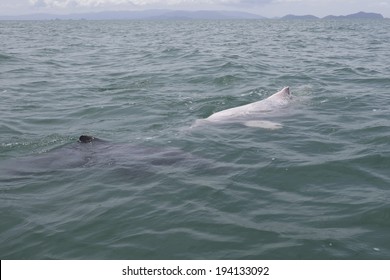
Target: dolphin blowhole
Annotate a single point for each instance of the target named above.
(86, 139)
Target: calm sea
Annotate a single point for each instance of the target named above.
(158, 188)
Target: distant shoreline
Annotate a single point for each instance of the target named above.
(180, 15)
(360, 15)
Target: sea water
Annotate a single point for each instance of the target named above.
(156, 187)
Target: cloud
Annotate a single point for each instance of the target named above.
(213, 2)
(75, 3)
(97, 3)
(265, 7)
(38, 3)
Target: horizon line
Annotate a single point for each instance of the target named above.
(70, 14)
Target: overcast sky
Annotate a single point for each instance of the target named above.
(267, 8)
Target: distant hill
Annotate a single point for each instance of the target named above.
(300, 17)
(147, 14)
(360, 15)
(207, 15)
(173, 14)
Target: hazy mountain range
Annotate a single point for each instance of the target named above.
(173, 14)
(360, 15)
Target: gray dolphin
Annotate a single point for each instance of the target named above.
(92, 152)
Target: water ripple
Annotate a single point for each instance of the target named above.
(158, 189)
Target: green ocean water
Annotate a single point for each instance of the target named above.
(159, 188)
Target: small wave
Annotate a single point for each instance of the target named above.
(226, 80)
(23, 145)
(4, 57)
